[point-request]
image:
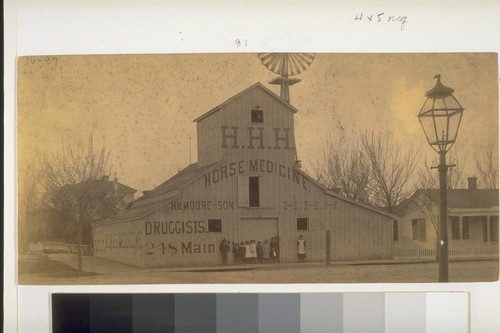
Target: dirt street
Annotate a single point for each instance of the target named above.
(106, 272)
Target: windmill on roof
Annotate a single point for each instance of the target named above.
(286, 65)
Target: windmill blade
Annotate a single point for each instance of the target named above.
(286, 64)
(275, 64)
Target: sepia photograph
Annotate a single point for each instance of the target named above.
(257, 168)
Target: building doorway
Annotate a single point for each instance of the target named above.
(258, 229)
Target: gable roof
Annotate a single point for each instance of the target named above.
(193, 172)
(136, 212)
(457, 198)
(182, 178)
(103, 184)
(257, 85)
(119, 186)
(137, 209)
(340, 197)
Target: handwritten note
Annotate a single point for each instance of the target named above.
(46, 60)
(241, 42)
(382, 18)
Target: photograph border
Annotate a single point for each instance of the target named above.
(135, 27)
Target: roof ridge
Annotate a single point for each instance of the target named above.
(253, 86)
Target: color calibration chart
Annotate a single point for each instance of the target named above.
(354, 312)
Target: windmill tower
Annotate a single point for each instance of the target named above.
(286, 65)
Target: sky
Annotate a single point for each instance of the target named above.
(141, 107)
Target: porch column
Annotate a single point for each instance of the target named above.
(488, 218)
(460, 226)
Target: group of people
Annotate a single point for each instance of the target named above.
(252, 252)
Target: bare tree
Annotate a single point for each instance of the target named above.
(29, 201)
(392, 168)
(429, 176)
(73, 187)
(487, 165)
(428, 184)
(345, 169)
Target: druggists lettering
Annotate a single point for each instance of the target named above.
(174, 227)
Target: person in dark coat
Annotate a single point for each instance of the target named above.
(260, 252)
(236, 252)
(242, 252)
(224, 249)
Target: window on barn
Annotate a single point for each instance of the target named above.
(214, 225)
(418, 229)
(302, 223)
(257, 116)
(494, 228)
(455, 227)
(253, 194)
(395, 230)
(243, 191)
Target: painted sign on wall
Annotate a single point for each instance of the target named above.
(255, 138)
(265, 166)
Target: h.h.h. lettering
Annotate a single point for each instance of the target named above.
(256, 138)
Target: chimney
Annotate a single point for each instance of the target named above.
(363, 196)
(472, 183)
(105, 178)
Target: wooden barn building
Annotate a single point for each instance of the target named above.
(247, 185)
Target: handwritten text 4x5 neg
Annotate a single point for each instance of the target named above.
(382, 18)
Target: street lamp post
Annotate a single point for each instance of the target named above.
(440, 119)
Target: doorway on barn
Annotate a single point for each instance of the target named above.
(258, 229)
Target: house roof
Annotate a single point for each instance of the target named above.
(104, 185)
(119, 186)
(257, 85)
(458, 198)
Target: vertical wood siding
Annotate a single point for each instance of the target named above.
(285, 195)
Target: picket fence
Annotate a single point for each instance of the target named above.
(58, 247)
(457, 249)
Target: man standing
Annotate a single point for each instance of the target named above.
(224, 249)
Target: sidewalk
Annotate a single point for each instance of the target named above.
(99, 265)
(92, 264)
